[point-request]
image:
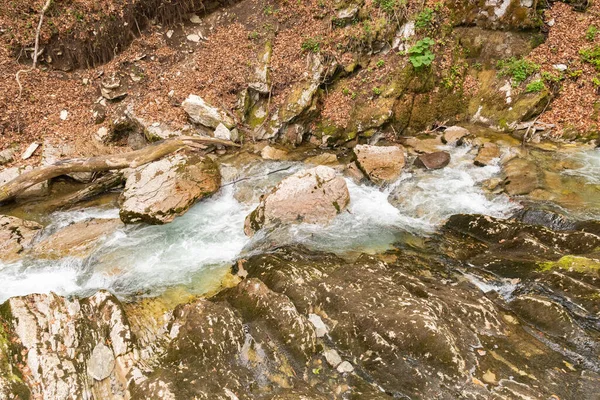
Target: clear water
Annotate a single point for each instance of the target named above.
(197, 249)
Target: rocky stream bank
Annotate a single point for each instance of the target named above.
(356, 200)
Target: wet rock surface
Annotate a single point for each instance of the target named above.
(16, 235)
(159, 191)
(313, 196)
(382, 164)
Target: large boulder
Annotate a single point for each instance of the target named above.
(55, 338)
(159, 191)
(314, 196)
(382, 164)
(203, 113)
(15, 236)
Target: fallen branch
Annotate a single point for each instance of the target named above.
(131, 159)
(99, 186)
(36, 47)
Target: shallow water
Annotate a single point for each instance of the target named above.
(197, 249)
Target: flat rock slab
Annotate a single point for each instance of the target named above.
(382, 164)
(314, 196)
(159, 191)
(436, 160)
(15, 236)
(76, 240)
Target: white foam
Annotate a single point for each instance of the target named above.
(590, 169)
(146, 259)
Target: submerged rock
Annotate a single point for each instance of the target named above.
(159, 191)
(382, 164)
(313, 196)
(76, 240)
(436, 160)
(16, 235)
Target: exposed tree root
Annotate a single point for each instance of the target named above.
(131, 159)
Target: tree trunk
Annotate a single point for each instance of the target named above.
(103, 163)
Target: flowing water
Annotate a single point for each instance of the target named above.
(197, 249)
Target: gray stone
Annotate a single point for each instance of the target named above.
(454, 134)
(345, 367)
(37, 190)
(313, 196)
(320, 327)
(332, 357)
(30, 150)
(161, 190)
(7, 155)
(101, 363)
(221, 132)
(382, 164)
(203, 113)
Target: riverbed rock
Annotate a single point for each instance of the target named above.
(313, 196)
(159, 191)
(487, 153)
(436, 160)
(56, 338)
(16, 235)
(382, 164)
(522, 241)
(200, 112)
(273, 153)
(76, 240)
(521, 177)
(454, 135)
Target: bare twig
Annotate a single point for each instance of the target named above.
(36, 47)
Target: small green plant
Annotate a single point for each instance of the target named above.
(591, 56)
(550, 77)
(354, 95)
(253, 35)
(535, 86)
(380, 64)
(390, 6)
(269, 10)
(424, 19)
(596, 81)
(420, 54)
(346, 91)
(478, 66)
(591, 33)
(312, 44)
(575, 74)
(376, 91)
(517, 69)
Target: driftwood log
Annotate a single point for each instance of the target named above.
(131, 159)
